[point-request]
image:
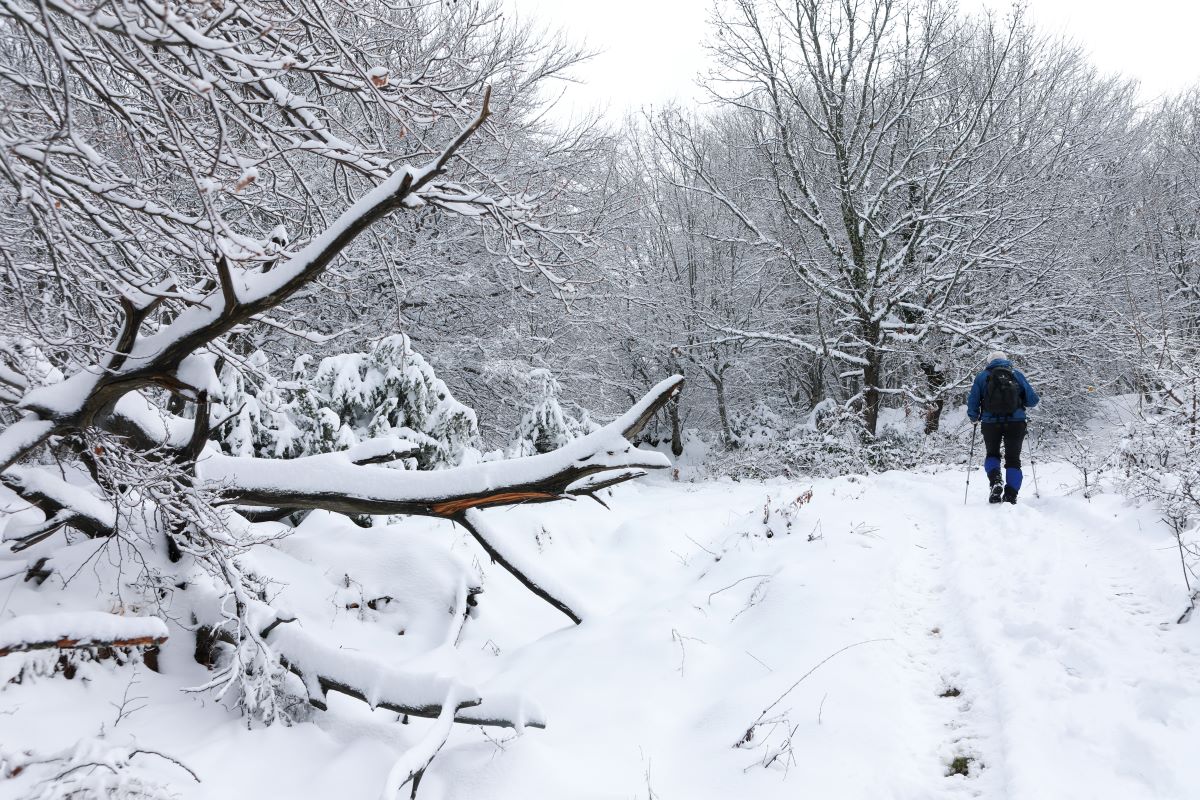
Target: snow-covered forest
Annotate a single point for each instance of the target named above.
(368, 429)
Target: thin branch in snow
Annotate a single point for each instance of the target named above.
(748, 737)
(679, 638)
(735, 583)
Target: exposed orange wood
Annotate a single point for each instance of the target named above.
(72, 644)
(451, 507)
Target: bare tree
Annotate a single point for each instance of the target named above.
(903, 151)
(683, 257)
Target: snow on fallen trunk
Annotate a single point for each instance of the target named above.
(67, 630)
(328, 669)
(332, 482)
(381, 450)
(503, 710)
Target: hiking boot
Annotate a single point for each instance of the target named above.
(997, 486)
(1010, 495)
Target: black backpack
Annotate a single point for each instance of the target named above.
(1002, 394)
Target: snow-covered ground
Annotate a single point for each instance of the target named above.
(888, 637)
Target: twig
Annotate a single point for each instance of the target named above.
(749, 735)
(123, 709)
(676, 636)
(735, 583)
(702, 547)
(759, 660)
(755, 598)
(165, 757)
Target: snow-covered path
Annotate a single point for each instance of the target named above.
(1096, 691)
(1031, 647)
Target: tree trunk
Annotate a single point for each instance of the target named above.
(816, 391)
(935, 380)
(676, 427)
(718, 383)
(872, 375)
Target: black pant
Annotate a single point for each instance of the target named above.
(1012, 434)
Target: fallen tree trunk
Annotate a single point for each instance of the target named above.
(71, 631)
(332, 482)
(327, 669)
(324, 668)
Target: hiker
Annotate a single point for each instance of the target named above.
(998, 399)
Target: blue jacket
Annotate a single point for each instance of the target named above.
(1029, 397)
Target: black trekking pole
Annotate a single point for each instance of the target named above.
(971, 462)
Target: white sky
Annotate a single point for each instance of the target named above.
(652, 48)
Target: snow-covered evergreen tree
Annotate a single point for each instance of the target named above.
(349, 398)
(546, 426)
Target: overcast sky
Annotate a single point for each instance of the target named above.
(652, 51)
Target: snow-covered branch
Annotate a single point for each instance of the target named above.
(333, 482)
(531, 576)
(69, 631)
(325, 668)
(60, 502)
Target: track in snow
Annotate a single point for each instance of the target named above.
(1071, 608)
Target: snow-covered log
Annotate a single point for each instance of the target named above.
(503, 710)
(67, 631)
(325, 669)
(381, 450)
(328, 669)
(331, 481)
